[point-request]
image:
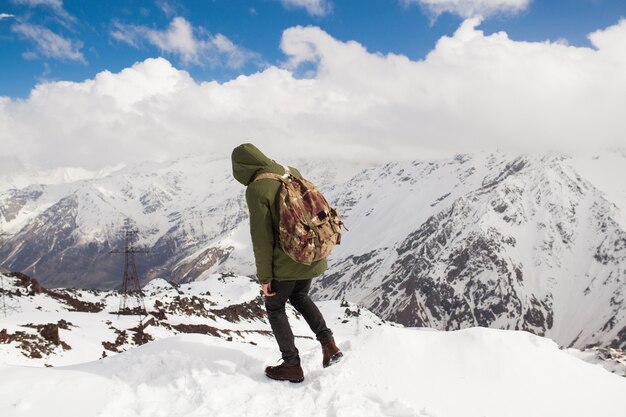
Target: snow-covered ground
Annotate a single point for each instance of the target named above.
(388, 370)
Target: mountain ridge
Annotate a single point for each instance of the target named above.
(490, 239)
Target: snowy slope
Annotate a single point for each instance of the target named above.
(64, 326)
(606, 172)
(60, 327)
(386, 372)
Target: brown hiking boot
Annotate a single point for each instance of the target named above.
(331, 352)
(284, 372)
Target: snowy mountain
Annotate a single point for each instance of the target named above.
(65, 230)
(513, 243)
(190, 214)
(534, 242)
(22, 178)
(204, 347)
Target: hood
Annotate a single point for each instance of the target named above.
(248, 161)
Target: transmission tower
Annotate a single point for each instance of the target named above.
(131, 296)
(6, 305)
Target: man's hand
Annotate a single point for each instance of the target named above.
(267, 289)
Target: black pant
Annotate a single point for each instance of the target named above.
(297, 292)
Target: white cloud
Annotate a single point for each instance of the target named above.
(470, 8)
(193, 46)
(472, 91)
(168, 8)
(5, 16)
(177, 39)
(49, 44)
(610, 42)
(313, 7)
(33, 3)
(55, 5)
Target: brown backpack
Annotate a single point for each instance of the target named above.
(309, 228)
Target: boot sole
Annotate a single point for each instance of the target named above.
(295, 381)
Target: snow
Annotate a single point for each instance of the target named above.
(87, 332)
(386, 371)
(227, 290)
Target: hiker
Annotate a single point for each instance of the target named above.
(281, 277)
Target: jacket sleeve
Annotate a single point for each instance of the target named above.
(261, 232)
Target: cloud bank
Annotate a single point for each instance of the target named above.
(472, 91)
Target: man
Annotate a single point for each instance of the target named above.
(281, 278)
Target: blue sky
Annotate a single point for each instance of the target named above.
(85, 29)
(375, 80)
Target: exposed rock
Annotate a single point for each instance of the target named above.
(198, 328)
(38, 345)
(120, 340)
(252, 310)
(33, 287)
(190, 306)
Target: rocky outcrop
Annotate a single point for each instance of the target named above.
(40, 344)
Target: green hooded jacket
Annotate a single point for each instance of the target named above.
(262, 199)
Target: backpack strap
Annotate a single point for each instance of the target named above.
(267, 175)
(272, 176)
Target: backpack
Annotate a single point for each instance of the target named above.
(309, 228)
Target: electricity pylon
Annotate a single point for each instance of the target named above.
(131, 296)
(7, 306)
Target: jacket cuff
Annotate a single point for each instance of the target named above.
(264, 280)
